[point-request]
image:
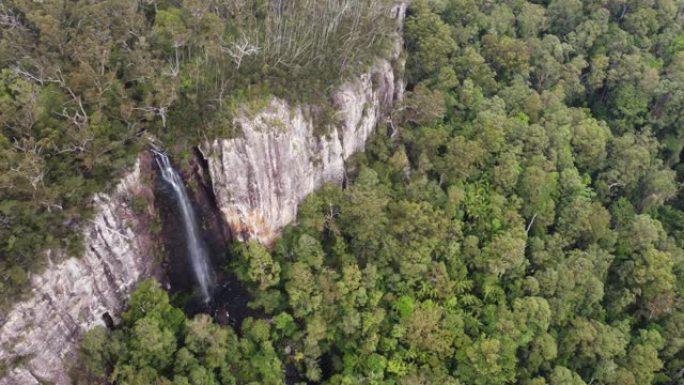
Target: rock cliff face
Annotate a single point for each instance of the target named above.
(257, 181)
(260, 178)
(72, 296)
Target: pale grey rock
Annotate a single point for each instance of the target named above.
(260, 178)
(71, 296)
(21, 376)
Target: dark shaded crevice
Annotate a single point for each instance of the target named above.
(175, 264)
(230, 297)
(108, 320)
(109, 275)
(209, 212)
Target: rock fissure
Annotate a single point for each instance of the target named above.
(97, 288)
(111, 280)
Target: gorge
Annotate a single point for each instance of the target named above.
(258, 180)
(291, 192)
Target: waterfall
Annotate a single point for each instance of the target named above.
(196, 248)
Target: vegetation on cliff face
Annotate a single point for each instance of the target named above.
(81, 81)
(519, 222)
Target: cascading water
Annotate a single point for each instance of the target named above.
(197, 251)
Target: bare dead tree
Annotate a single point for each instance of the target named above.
(161, 111)
(240, 49)
(29, 76)
(8, 19)
(79, 118)
(31, 167)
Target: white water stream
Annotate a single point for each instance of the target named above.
(197, 250)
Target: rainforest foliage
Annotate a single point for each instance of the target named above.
(82, 82)
(519, 221)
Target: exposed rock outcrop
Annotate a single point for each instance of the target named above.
(72, 296)
(257, 182)
(261, 177)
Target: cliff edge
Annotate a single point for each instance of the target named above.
(258, 181)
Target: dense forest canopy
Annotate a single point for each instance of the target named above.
(518, 221)
(83, 82)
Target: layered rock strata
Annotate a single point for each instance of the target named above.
(40, 334)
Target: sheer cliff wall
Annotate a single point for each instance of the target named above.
(257, 181)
